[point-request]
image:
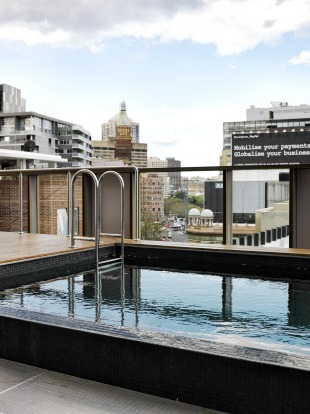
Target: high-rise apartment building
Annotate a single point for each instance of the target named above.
(172, 179)
(152, 200)
(22, 130)
(11, 100)
(174, 176)
(155, 162)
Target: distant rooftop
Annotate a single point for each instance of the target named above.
(278, 110)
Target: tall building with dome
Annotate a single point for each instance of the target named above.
(108, 129)
(120, 142)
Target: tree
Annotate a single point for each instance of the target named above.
(197, 200)
(150, 228)
(176, 207)
(180, 194)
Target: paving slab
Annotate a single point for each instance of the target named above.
(29, 390)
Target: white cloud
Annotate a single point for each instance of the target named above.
(232, 25)
(302, 59)
(193, 135)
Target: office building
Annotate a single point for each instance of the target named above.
(172, 178)
(278, 119)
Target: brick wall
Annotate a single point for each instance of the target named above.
(9, 204)
(53, 194)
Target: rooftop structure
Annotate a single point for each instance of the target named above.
(278, 110)
(23, 159)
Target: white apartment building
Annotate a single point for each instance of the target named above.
(29, 131)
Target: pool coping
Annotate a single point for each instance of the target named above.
(281, 358)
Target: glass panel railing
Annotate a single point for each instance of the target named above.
(174, 206)
(261, 208)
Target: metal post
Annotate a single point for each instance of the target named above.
(71, 212)
(122, 217)
(69, 202)
(97, 227)
(136, 206)
(228, 207)
(21, 203)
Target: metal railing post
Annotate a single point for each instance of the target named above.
(136, 206)
(69, 202)
(228, 208)
(21, 203)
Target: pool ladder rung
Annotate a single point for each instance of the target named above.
(110, 263)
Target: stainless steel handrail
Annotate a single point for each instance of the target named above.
(121, 181)
(97, 199)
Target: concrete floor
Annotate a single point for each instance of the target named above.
(29, 390)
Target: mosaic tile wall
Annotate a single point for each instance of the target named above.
(227, 378)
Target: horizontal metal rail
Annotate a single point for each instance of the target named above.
(116, 259)
(111, 234)
(84, 238)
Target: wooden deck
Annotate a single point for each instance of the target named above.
(19, 247)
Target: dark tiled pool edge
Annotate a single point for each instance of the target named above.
(244, 263)
(220, 377)
(225, 379)
(48, 267)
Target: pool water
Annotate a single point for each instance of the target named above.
(249, 312)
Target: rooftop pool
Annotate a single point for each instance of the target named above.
(244, 311)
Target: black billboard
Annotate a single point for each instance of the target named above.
(271, 148)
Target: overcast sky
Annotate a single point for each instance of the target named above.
(183, 67)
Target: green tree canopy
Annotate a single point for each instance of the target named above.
(176, 207)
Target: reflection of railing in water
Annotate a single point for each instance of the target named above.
(135, 288)
(291, 300)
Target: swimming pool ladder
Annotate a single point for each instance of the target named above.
(114, 262)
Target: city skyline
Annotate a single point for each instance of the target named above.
(183, 69)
